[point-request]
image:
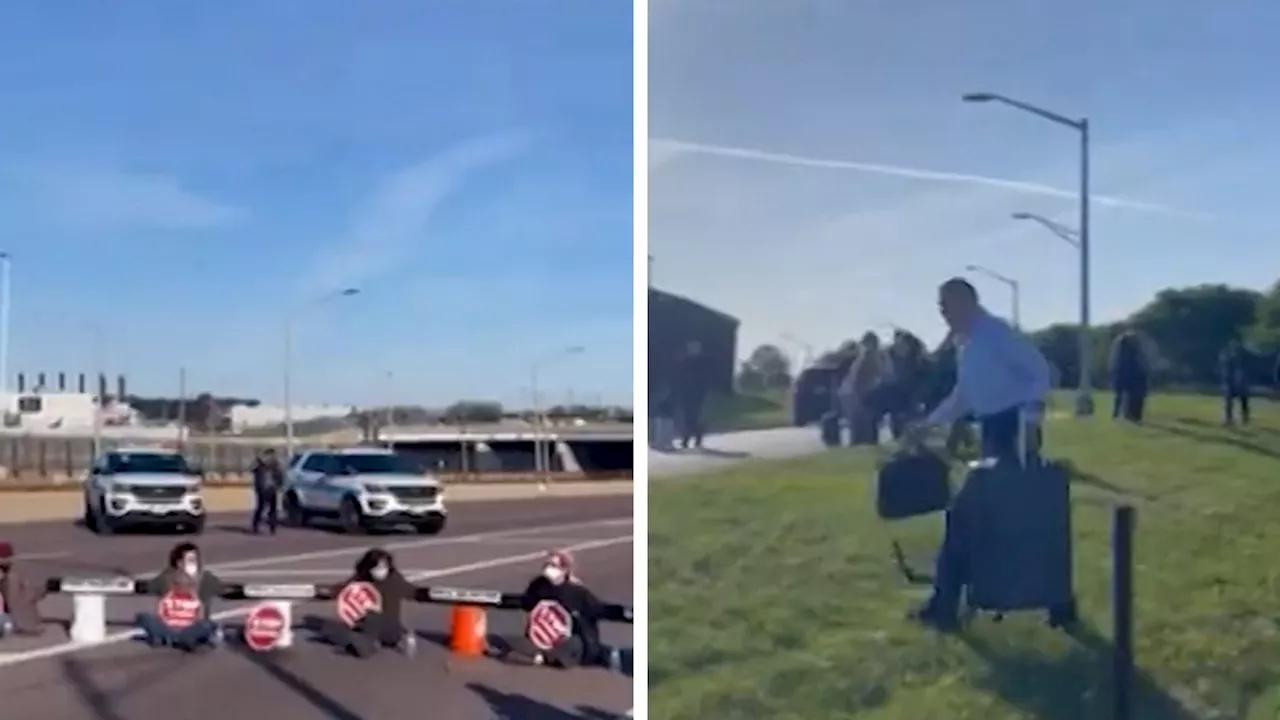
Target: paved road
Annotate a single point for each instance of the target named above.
(724, 449)
(489, 544)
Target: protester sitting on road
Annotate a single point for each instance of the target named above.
(187, 592)
(19, 598)
(557, 582)
(368, 624)
(1002, 379)
(268, 479)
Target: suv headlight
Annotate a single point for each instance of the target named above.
(375, 489)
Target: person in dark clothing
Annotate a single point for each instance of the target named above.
(904, 398)
(268, 479)
(383, 627)
(20, 597)
(941, 380)
(184, 573)
(691, 395)
(1129, 372)
(1233, 373)
(558, 582)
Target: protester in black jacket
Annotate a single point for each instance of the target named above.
(383, 626)
(268, 479)
(557, 582)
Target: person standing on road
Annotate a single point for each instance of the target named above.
(1234, 373)
(1003, 380)
(268, 479)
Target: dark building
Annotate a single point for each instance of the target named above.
(673, 322)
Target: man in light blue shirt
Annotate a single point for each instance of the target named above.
(1002, 380)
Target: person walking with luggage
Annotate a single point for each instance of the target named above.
(1002, 379)
(1233, 372)
(268, 479)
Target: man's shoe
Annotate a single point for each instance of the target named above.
(931, 617)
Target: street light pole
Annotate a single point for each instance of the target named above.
(1014, 288)
(1084, 396)
(541, 452)
(5, 294)
(288, 364)
(1064, 233)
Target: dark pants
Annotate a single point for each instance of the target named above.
(689, 420)
(266, 506)
(575, 652)
(999, 441)
(157, 634)
(373, 633)
(1231, 396)
(1130, 401)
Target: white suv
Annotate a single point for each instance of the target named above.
(362, 488)
(143, 487)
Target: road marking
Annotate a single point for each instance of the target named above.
(403, 545)
(550, 542)
(17, 658)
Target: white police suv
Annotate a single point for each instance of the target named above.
(362, 488)
(143, 487)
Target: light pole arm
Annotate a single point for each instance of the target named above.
(1038, 111)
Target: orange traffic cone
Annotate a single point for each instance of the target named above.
(468, 634)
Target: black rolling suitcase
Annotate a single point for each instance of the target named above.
(1018, 517)
(830, 425)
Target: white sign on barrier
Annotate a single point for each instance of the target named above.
(99, 586)
(280, 592)
(88, 618)
(465, 597)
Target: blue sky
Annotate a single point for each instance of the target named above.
(187, 176)
(1184, 118)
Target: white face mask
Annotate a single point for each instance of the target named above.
(553, 573)
(191, 567)
(380, 573)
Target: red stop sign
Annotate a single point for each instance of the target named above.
(179, 609)
(263, 627)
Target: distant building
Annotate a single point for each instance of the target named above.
(673, 322)
(60, 412)
(244, 417)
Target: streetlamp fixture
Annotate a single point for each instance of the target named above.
(1014, 288)
(1064, 233)
(1084, 396)
(288, 361)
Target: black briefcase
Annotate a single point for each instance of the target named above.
(911, 483)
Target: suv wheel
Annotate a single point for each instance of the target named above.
(350, 517)
(90, 518)
(102, 524)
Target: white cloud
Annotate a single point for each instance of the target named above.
(101, 198)
(397, 214)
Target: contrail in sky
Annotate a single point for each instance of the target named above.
(670, 148)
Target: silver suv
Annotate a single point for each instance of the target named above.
(144, 487)
(362, 488)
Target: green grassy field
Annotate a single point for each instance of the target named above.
(773, 593)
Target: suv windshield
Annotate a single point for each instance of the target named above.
(376, 464)
(147, 463)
